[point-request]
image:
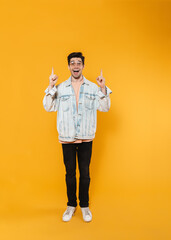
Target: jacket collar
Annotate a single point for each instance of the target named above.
(68, 81)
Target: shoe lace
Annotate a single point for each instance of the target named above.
(69, 209)
(87, 212)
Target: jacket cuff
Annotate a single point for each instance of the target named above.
(102, 95)
(51, 92)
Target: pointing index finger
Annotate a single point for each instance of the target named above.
(101, 74)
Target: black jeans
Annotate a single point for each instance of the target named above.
(84, 151)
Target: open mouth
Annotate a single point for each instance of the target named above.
(76, 72)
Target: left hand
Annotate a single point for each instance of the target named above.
(101, 81)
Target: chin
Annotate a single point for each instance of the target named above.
(76, 77)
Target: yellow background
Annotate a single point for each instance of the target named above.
(130, 166)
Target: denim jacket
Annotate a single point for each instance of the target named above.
(73, 124)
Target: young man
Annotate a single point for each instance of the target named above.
(77, 100)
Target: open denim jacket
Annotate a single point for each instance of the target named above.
(73, 124)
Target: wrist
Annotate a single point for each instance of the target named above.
(104, 90)
(50, 87)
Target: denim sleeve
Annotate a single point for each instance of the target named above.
(50, 100)
(103, 102)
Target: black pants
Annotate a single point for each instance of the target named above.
(84, 151)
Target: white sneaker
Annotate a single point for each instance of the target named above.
(68, 213)
(87, 215)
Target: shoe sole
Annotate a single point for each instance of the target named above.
(87, 220)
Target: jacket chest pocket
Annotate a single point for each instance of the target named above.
(65, 101)
(89, 101)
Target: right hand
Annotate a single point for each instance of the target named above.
(52, 80)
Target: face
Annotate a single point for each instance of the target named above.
(76, 66)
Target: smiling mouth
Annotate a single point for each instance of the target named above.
(75, 71)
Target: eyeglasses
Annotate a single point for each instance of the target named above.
(72, 63)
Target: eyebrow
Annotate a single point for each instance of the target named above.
(77, 61)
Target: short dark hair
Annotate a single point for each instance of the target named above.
(76, 55)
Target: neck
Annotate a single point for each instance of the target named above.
(76, 79)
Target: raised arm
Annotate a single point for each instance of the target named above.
(50, 100)
(103, 95)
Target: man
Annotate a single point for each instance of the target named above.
(77, 100)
